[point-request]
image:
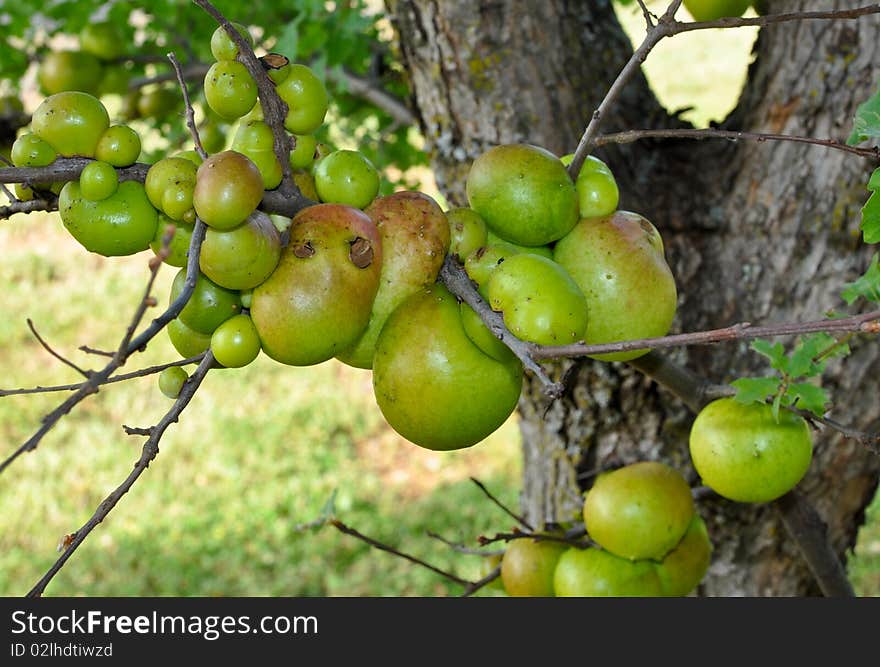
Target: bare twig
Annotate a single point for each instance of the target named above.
(195, 72)
(473, 587)
(869, 440)
(513, 515)
(649, 17)
(572, 538)
(368, 90)
(343, 528)
(863, 323)
(461, 548)
(190, 115)
(48, 348)
(662, 28)
(148, 453)
(95, 351)
(122, 377)
(630, 136)
(453, 275)
(772, 19)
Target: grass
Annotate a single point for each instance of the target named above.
(260, 450)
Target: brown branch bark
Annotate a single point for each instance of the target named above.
(630, 136)
(865, 323)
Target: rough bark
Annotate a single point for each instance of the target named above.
(753, 232)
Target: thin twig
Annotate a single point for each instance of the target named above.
(869, 440)
(461, 548)
(143, 372)
(66, 169)
(863, 323)
(574, 541)
(188, 109)
(343, 528)
(630, 136)
(368, 90)
(473, 587)
(773, 19)
(148, 453)
(504, 508)
(649, 21)
(59, 357)
(195, 72)
(95, 351)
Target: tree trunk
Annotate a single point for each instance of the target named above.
(754, 232)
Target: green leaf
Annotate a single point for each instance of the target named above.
(871, 219)
(288, 40)
(874, 182)
(809, 397)
(755, 390)
(868, 286)
(866, 124)
(775, 352)
(802, 362)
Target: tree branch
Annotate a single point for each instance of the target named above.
(274, 108)
(149, 452)
(55, 354)
(343, 528)
(30, 206)
(667, 26)
(657, 32)
(631, 136)
(513, 515)
(866, 323)
(122, 377)
(69, 169)
(809, 531)
(190, 115)
(366, 89)
(453, 275)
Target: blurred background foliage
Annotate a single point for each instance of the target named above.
(261, 449)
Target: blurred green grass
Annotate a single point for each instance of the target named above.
(260, 449)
